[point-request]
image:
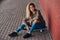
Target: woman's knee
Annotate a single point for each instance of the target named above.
(22, 25)
(33, 24)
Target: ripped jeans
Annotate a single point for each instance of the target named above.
(32, 27)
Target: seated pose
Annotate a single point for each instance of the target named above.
(32, 20)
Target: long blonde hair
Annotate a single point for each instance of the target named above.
(28, 10)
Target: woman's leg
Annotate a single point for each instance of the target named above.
(34, 25)
(13, 34)
(20, 27)
(37, 24)
(31, 29)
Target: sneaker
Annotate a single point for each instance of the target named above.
(13, 34)
(27, 35)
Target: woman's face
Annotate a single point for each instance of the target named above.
(32, 8)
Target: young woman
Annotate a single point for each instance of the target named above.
(32, 20)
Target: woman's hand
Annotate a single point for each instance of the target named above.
(35, 21)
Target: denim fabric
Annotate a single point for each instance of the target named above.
(33, 26)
